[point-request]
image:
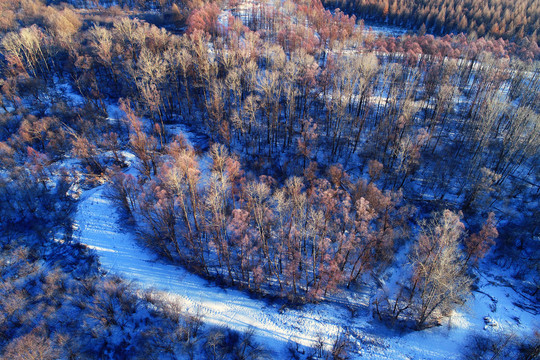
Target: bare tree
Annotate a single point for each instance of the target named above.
(439, 279)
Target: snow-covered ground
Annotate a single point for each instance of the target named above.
(384, 30)
(99, 227)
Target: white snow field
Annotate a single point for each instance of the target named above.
(118, 251)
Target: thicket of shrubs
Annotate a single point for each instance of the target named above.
(48, 313)
(503, 346)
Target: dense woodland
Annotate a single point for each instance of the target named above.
(324, 151)
(508, 19)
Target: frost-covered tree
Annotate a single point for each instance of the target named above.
(438, 280)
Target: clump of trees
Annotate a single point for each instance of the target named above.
(439, 278)
(301, 240)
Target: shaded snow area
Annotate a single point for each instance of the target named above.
(99, 228)
(384, 30)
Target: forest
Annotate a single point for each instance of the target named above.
(514, 20)
(325, 157)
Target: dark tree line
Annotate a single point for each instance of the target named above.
(496, 18)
